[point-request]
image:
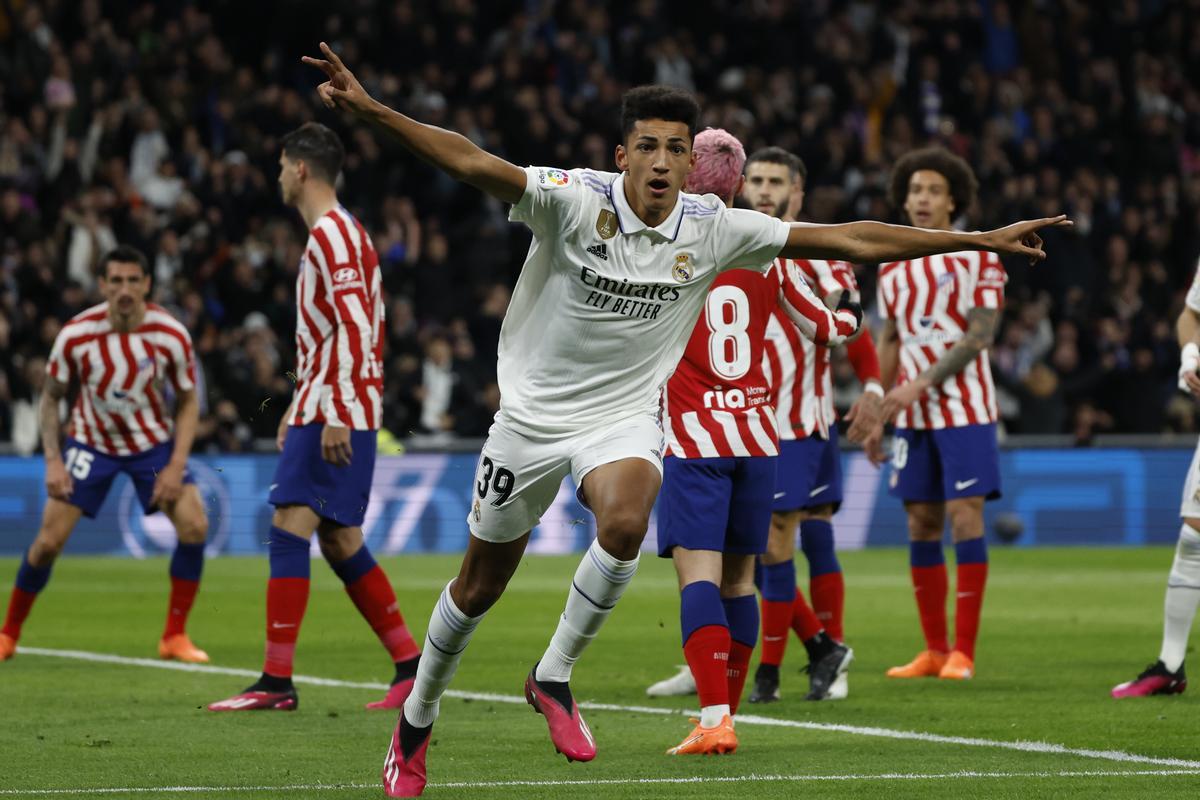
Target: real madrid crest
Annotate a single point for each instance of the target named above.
(606, 224)
(682, 270)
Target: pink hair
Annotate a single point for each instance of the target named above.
(719, 161)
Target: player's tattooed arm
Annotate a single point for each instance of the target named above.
(49, 422)
(981, 328)
(453, 153)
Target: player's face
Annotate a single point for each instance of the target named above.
(289, 180)
(929, 204)
(657, 157)
(125, 287)
(771, 189)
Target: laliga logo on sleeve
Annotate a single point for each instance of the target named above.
(682, 270)
(554, 178)
(345, 275)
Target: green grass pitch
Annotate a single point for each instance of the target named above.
(1060, 627)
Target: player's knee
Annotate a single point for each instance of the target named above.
(622, 531)
(44, 550)
(1189, 541)
(966, 523)
(476, 597)
(193, 529)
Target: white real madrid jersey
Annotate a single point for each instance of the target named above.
(604, 305)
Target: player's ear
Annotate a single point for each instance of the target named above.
(622, 158)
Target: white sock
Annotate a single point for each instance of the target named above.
(447, 636)
(598, 584)
(711, 716)
(1183, 595)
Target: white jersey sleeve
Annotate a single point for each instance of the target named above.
(744, 239)
(1193, 295)
(551, 203)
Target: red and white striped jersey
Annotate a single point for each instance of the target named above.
(796, 368)
(929, 298)
(717, 403)
(339, 342)
(120, 408)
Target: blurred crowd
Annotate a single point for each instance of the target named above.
(157, 124)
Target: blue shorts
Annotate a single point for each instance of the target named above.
(810, 473)
(932, 466)
(92, 473)
(721, 504)
(304, 478)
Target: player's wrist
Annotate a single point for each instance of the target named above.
(873, 387)
(1189, 355)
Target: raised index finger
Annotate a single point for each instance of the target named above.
(332, 56)
(320, 64)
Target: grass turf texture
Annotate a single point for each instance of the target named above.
(1060, 627)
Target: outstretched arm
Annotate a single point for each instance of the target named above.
(451, 152)
(873, 242)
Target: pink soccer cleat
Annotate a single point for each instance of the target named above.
(260, 698)
(397, 693)
(1155, 679)
(568, 731)
(404, 767)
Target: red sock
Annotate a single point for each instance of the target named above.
(776, 617)
(930, 587)
(707, 652)
(376, 601)
(286, 600)
(739, 667)
(183, 593)
(828, 593)
(971, 580)
(18, 609)
(804, 620)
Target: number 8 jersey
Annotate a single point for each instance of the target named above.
(717, 403)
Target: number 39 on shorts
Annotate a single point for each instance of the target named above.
(497, 480)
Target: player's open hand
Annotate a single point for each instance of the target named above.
(168, 486)
(341, 90)
(1022, 239)
(865, 416)
(335, 445)
(281, 434)
(58, 481)
(901, 397)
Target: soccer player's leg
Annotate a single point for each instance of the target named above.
(1166, 675)
(826, 587)
(92, 474)
(692, 523)
(516, 481)
(916, 479)
(187, 561)
(970, 475)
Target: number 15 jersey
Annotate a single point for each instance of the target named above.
(718, 401)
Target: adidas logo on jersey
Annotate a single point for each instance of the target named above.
(600, 251)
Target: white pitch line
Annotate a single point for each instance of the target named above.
(742, 719)
(696, 779)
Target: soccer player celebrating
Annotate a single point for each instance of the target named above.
(719, 467)
(617, 273)
(940, 315)
(120, 353)
(1166, 676)
(327, 436)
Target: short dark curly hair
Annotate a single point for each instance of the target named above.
(657, 101)
(956, 171)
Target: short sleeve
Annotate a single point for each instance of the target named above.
(57, 365)
(989, 282)
(551, 201)
(882, 307)
(183, 366)
(1193, 295)
(744, 239)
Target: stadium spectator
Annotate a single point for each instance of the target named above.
(158, 124)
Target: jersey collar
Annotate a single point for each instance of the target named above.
(629, 222)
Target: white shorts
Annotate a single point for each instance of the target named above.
(1190, 507)
(518, 475)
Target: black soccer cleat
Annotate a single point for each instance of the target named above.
(766, 684)
(825, 670)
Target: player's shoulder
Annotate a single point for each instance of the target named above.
(86, 321)
(161, 317)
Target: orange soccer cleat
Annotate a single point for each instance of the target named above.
(708, 741)
(927, 664)
(8, 647)
(958, 667)
(180, 648)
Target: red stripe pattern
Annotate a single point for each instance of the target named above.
(339, 342)
(120, 408)
(929, 299)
